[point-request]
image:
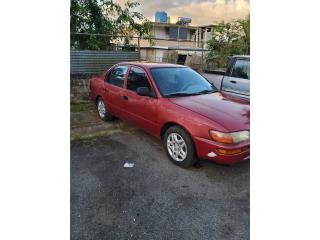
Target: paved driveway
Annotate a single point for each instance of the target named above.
(155, 199)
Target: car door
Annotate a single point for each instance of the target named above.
(141, 110)
(238, 80)
(113, 89)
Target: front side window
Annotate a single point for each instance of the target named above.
(241, 69)
(137, 78)
(117, 75)
(180, 81)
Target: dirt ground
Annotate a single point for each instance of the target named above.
(155, 199)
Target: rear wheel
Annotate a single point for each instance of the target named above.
(179, 147)
(104, 114)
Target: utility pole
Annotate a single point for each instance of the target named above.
(202, 56)
(139, 50)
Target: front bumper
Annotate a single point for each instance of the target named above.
(207, 149)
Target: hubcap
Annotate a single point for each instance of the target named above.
(101, 109)
(177, 147)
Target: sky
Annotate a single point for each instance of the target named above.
(202, 12)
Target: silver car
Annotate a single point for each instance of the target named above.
(237, 77)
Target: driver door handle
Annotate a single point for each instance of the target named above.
(125, 98)
(233, 81)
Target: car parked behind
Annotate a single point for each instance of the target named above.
(236, 80)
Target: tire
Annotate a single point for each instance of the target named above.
(104, 114)
(176, 141)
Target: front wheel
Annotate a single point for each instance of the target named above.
(103, 112)
(179, 147)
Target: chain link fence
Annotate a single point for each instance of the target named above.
(85, 62)
(132, 48)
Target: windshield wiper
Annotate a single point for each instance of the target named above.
(178, 94)
(206, 91)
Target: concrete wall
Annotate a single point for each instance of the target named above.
(79, 89)
(158, 55)
(160, 32)
(166, 43)
(193, 59)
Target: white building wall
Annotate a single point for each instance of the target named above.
(160, 32)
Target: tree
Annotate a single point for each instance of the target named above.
(105, 17)
(228, 39)
(245, 24)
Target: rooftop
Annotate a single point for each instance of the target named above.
(173, 25)
(179, 25)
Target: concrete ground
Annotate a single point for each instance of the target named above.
(155, 199)
(214, 78)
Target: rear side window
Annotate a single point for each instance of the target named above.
(241, 69)
(137, 78)
(117, 75)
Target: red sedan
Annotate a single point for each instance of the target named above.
(176, 104)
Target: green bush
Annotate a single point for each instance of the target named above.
(228, 39)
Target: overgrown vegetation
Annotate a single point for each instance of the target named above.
(81, 106)
(232, 38)
(105, 17)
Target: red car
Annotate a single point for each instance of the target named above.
(176, 104)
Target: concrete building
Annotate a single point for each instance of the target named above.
(203, 34)
(172, 35)
(177, 43)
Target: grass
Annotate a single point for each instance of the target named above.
(92, 132)
(81, 106)
(102, 133)
(78, 137)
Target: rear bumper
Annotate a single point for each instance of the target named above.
(207, 149)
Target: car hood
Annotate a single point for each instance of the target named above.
(233, 114)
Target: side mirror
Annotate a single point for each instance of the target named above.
(143, 91)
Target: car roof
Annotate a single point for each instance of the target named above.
(149, 65)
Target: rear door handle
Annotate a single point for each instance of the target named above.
(104, 89)
(125, 98)
(233, 81)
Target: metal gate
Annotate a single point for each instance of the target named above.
(93, 62)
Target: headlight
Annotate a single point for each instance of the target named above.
(229, 138)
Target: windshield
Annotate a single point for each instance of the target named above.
(180, 81)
